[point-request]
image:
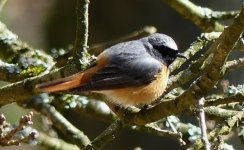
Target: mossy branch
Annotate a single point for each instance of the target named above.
(22, 90)
(61, 123)
(99, 110)
(19, 60)
(81, 40)
(198, 15)
(55, 143)
(221, 129)
(197, 67)
(106, 136)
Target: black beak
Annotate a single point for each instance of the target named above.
(181, 55)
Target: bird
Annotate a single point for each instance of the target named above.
(132, 73)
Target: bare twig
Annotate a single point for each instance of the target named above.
(70, 131)
(81, 40)
(181, 141)
(24, 121)
(195, 47)
(221, 129)
(234, 64)
(31, 136)
(223, 15)
(106, 136)
(88, 107)
(202, 123)
(11, 137)
(196, 67)
(55, 143)
(217, 144)
(239, 97)
(154, 129)
(219, 112)
(198, 15)
(231, 94)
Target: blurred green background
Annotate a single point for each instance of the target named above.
(47, 24)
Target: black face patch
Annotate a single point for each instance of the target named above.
(164, 54)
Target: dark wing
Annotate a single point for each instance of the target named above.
(119, 75)
(124, 65)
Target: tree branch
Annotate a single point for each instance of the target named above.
(106, 136)
(22, 90)
(221, 129)
(219, 112)
(98, 110)
(70, 131)
(54, 143)
(28, 62)
(223, 15)
(204, 135)
(196, 68)
(81, 40)
(198, 15)
(234, 64)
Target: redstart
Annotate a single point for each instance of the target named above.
(129, 73)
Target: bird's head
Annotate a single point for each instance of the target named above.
(164, 48)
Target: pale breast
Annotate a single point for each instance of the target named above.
(139, 95)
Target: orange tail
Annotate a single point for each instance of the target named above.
(61, 84)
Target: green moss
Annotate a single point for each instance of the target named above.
(32, 71)
(86, 59)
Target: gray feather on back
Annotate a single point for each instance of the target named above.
(129, 65)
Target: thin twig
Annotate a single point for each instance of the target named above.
(81, 29)
(202, 123)
(197, 67)
(219, 112)
(31, 136)
(9, 135)
(239, 97)
(154, 129)
(223, 15)
(217, 144)
(234, 64)
(88, 107)
(106, 136)
(195, 47)
(221, 129)
(24, 121)
(55, 143)
(61, 123)
(198, 15)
